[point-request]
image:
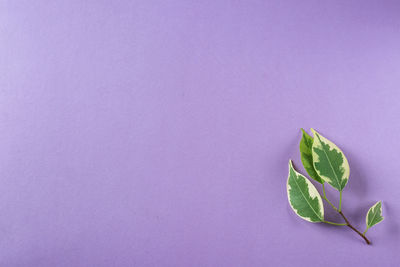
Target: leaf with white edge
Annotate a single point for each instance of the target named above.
(374, 215)
(329, 162)
(306, 156)
(304, 197)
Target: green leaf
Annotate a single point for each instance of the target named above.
(374, 215)
(304, 197)
(329, 162)
(306, 156)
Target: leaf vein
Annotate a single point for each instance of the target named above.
(330, 164)
(306, 198)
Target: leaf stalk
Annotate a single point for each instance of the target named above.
(333, 223)
(326, 199)
(354, 229)
(344, 217)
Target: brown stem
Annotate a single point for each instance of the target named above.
(354, 229)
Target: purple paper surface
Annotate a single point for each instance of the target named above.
(158, 133)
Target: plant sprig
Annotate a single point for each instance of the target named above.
(324, 163)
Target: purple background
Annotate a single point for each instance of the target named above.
(157, 133)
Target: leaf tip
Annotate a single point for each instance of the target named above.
(313, 131)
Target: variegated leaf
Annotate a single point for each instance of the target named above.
(374, 215)
(306, 156)
(304, 197)
(329, 162)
